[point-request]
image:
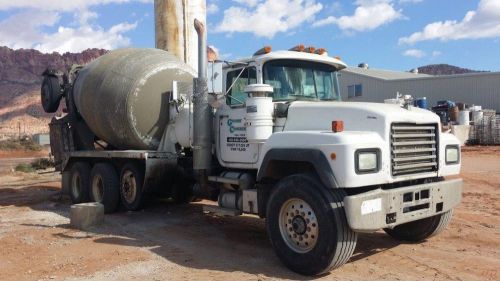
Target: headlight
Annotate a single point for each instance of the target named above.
(452, 154)
(367, 161)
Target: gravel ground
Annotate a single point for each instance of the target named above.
(168, 242)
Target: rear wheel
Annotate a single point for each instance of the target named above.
(419, 230)
(308, 227)
(104, 186)
(131, 183)
(79, 182)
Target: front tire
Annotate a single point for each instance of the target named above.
(104, 186)
(307, 226)
(420, 230)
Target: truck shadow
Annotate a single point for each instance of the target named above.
(184, 235)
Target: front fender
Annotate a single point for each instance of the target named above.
(343, 144)
(314, 157)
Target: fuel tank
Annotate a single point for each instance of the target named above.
(123, 96)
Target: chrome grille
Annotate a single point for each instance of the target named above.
(413, 148)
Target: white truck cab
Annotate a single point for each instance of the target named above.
(371, 165)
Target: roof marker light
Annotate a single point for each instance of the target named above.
(263, 51)
(298, 48)
(321, 51)
(310, 50)
(337, 126)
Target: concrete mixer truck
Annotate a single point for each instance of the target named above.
(266, 136)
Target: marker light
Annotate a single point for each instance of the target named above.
(310, 50)
(337, 126)
(263, 51)
(339, 58)
(333, 156)
(320, 51)
(298, 48)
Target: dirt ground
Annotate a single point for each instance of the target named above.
(168, 242)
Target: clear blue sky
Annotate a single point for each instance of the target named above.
(389, 34)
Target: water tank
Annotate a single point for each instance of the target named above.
(463, 117)
(123, 96)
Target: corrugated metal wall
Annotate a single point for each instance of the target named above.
(478, 89)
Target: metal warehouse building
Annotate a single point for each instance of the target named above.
(374, 85)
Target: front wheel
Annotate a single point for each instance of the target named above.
(419, 230)
(307, 226)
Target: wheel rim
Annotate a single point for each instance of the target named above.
(129, 187)
(97, 188)
(298, 225)
(76, 184)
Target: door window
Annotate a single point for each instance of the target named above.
(237, 95)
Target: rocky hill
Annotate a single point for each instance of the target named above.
(20, 81)
(444, 69)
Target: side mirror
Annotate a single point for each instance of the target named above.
(214, 78)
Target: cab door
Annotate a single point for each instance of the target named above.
(234, 147)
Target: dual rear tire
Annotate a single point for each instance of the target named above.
(131, 183)
(103, 184)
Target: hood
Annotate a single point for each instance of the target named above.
(357, 116)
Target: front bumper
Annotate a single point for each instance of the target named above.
(373, 210)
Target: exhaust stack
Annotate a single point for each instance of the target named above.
(202, 113)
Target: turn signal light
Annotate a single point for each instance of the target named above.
(263, 51)
(337, 126)
(333, 156)
(298, 48)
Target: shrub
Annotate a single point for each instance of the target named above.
(42, 163)
(38, 164)
(25, 168)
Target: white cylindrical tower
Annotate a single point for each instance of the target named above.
(174, 28)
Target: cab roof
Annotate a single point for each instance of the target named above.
(261, 59)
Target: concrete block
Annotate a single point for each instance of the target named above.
(85, 215)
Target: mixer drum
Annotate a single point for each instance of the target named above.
(123, 96)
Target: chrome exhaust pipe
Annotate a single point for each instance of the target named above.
(202, 115)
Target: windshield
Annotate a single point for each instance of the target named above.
(301, 80)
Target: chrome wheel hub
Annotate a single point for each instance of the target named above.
(298, 225)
